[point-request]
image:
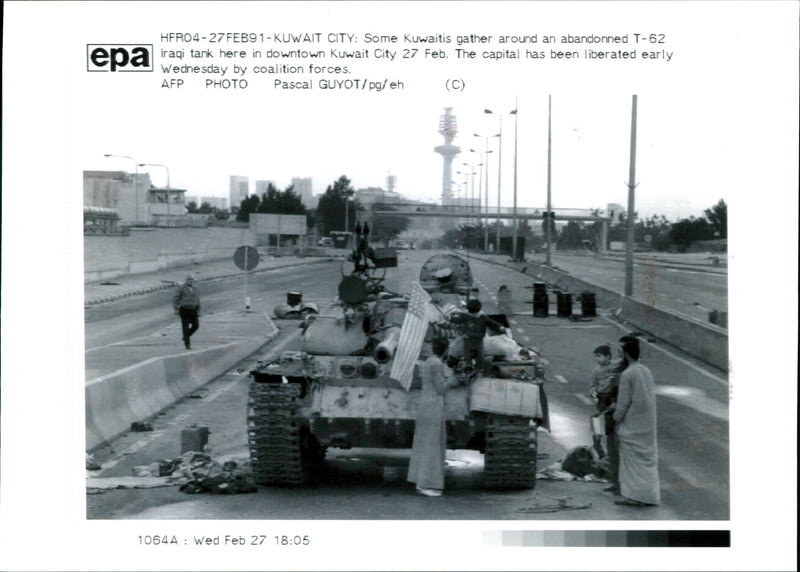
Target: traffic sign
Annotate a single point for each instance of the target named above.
(245, 257)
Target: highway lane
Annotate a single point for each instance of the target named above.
(146, 314)
(363, 483)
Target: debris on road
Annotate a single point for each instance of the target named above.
(91, 465)
(140, 427)
(541, 503)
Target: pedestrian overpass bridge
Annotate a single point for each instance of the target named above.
(478, 212)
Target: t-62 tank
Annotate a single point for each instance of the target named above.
(338, 391)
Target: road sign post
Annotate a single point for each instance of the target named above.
(246, 258)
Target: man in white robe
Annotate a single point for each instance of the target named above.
(426, 466)
(635, 418)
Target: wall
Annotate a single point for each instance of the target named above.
(148, 250)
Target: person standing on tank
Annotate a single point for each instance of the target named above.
(186, 303)
(426, 467)
(474, 324)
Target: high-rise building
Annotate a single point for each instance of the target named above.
(303, 188)
(240, 190)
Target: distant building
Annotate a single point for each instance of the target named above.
(133, 198)
(303, 187)
(372, 195)
(613, 210)
(239, 190)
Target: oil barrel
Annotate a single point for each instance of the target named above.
(294, 298)
(564, 304)
(541, 302)
(588, 304)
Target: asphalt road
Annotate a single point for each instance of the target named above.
(370, 484)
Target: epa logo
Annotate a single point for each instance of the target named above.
(119, 57)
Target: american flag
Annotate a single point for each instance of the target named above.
(412, 333)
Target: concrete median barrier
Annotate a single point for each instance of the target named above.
(703, 341)
(138, 392)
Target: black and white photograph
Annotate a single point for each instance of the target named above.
(399, 285)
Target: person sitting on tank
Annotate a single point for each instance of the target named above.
(474, 324)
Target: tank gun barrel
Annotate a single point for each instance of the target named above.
(385, 350)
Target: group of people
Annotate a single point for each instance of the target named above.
(624, 392)
(622, 389)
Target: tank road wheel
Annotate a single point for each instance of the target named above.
(511, 449)
(282, 449)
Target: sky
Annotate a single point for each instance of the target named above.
(590, 150)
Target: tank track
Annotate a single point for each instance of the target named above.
(282, 450)
(511, 450)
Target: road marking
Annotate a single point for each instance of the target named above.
(520, 330)
(561, 379)
(587, 327)
(687, 476)
(583, 398)
(140, 444)
(512, 321)
(694, 399)
(698, 369)
(526, 338)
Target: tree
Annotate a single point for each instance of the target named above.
(331, 207)
(387, 227)
(571, 236)
(205, 208)
(689, 230)
(274, 201)
(191, 207)
(247, 206)
(718, 218)
(467, 236)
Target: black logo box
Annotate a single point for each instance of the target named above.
(119, 58)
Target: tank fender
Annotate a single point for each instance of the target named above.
(506, 397)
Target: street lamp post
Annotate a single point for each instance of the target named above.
(514, 240)
(549, 213)
(167, 168)
(472, 184)
(481, 204)
(499, 170)
(486, 201)
(499, 176)
(135, 182)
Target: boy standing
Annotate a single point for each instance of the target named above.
(604, 387)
